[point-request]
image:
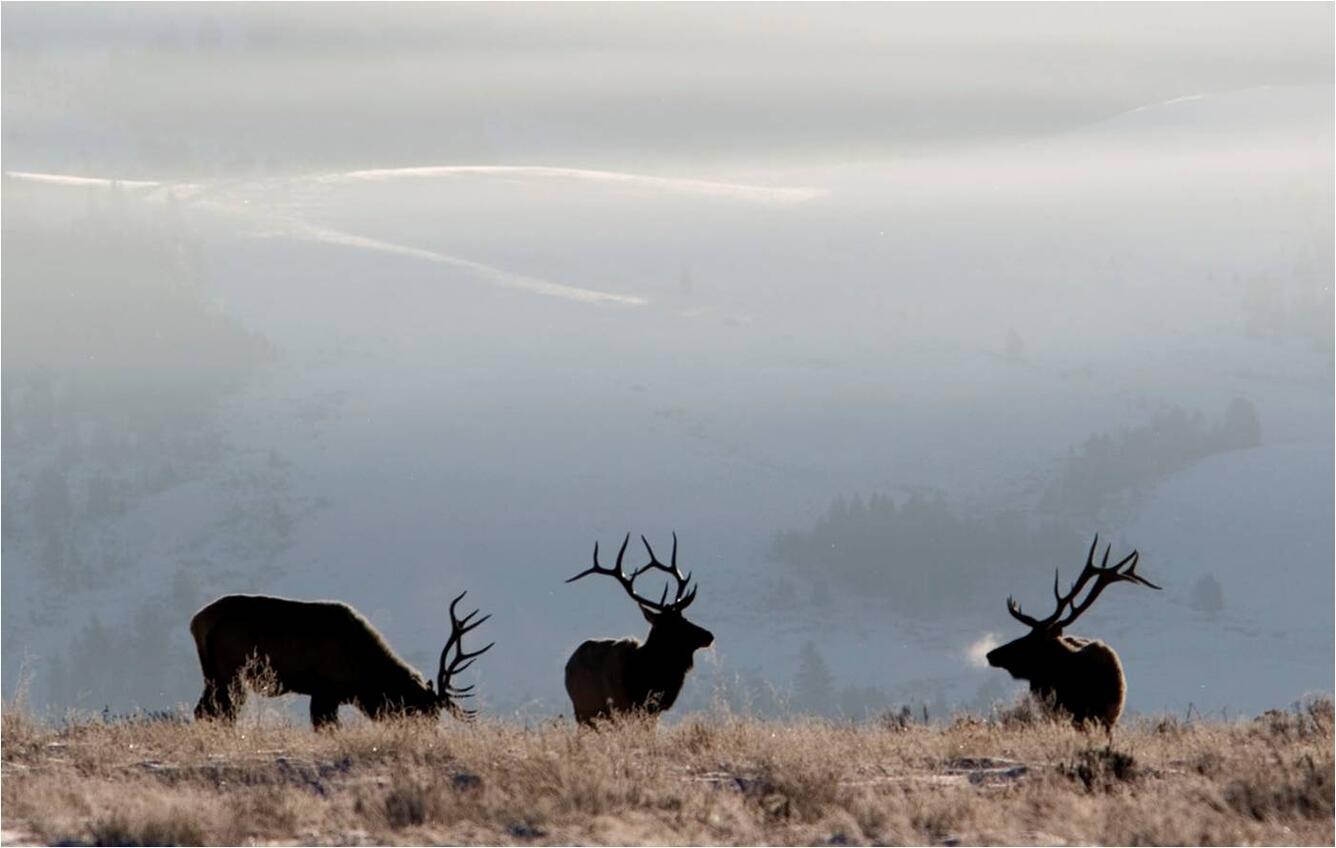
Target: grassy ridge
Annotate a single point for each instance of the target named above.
(716, 779)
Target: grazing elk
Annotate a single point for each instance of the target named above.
(1082, 676)
(324, 649)
(605, 677)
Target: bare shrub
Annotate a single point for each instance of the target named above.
(176, 828)
(1102, 769)
(406, 804)
(1029, 710)
(697, 736)
(1304, 791)
(1208, 764)
(1309, 718)
(22, 734)
(1320, 712)
(897, 720)
(1167, 725)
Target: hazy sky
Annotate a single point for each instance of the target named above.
(631, 85)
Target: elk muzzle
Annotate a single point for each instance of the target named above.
(1009, 657)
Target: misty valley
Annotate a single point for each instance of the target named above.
(194, 408)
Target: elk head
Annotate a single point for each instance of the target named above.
(669, 629)
(1039, 655)
(447, 695)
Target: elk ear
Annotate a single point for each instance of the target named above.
(651, 617)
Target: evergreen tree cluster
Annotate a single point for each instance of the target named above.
(920, 554)
(1109, 465)
(115, 362)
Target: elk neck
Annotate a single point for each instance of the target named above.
(665, 652)
(659, 668)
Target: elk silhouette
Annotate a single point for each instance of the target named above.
(608, 677)
(324, 649)
(1082, 676)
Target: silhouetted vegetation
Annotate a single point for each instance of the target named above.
(921, 553)
(1206, 595)
(95, 671)
(1112, 466)
(114, 362)
(813, 687)
(115, 366)
(1292, 308)
(113, 354)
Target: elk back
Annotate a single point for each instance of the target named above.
(310, 647)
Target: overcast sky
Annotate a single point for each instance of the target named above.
(351, 84)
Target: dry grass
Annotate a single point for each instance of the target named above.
(721, 780)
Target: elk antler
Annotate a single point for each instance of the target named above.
(627, 581)
(680, 601)
(1015, 608)
(462, 659)
(1104, 574)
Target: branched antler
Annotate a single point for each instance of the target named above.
(462, 659)
(681, 598)
(1105, 575)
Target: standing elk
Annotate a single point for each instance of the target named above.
(607, 677)
(1081, 676)
(324, 649)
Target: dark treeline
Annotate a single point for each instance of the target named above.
(1294, 307)
(921, 553)
(114, 364)
(924, 553)
(115, 367)
(1111, 468)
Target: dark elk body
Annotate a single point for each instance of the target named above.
(324, 649)
(605, 677)
(1082, 676)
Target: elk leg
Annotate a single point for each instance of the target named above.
(324, 712)
(207, 707)
(220, 700)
